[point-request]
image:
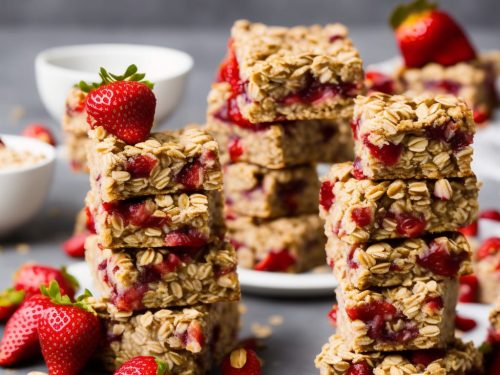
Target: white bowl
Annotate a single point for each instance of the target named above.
(24, 189)
(58, 69)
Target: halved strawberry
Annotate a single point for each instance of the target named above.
(10, 300)
(488, 247)
(123, 105)
(426, 34)
(145, 365)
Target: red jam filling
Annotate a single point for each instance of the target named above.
(426, 357)
(140, 166)
(351, 263)
(355, 128)
(376, 81)
(276, 261)
(445, 85)
(191, 175)
(326, 196)
(185, 238)
(408, 225)
(332, 315)
(315, 92)
(376, 314)
(434, 303)
(90, 223)
(450, 134)
(388, 154)
(440, 261)
(360, 368)
(357, 169)
(135, 212)
(235, 149)
(362, 216)
(489, 247)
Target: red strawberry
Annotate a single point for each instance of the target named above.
(142, 366)
(469, 286)
(276, 261)
(490, 215)
(376, 81)
(489, 246)
(10, 300)
(40, 132)
(465, 324)
(470, 230)
(20, 340)
(426, 34)
(31, 277)
(241, 362)
(123, 105)
(69, 333)
(74, 246)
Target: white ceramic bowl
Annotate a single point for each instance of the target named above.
(24, 189)
(58, 69)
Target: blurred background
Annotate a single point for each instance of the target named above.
(199, 27)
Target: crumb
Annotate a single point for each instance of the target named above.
(17, 113)
(242, 308)
(22, 248)
(275, 320)
(261, 330)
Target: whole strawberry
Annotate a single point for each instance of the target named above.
(20, 339)
(143, 366)
(40, 132)
(241, 361)
(123, 105)
(30, 277)
(69, 333)
(10, 300)
(426, 34)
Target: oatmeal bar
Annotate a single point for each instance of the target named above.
(260, 192)
(294, 244)
(298, 73)
(277, 145)
(367, 210)
(74, 120)
(135, 279)
(458, 358)
(398, 262)
(188, 340)
(166, 162)
(402, 137)
(186, 219)
(416, 316)
(473, 81)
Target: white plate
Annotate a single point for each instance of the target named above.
(264, 283)
(479, 312)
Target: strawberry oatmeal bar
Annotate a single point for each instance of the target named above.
(298, 73)
(458, 358)
(136, 279)
(187, 339)
(473, 81)
(398, 262)
(164, 163)
(361, 210)
(487, 269)
(163, 220)
(259, 192)
(290, 244)
(276, 145)
(402, 137)
(415, 316)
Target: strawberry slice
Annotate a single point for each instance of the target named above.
(464, 324)
(74, 246)
(488, 247)
(470, 230)
(490, 215)
(10, 300)
(144, 365)
(276, 261)
(426, 34)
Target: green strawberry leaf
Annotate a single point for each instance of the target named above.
(162, 367)
(11, 297)
(70, 278)
(54, 293)
(107, 78)
(403, 11)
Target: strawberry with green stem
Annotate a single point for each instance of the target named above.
(144, 365)
(123, 105)
(10, 299)
(427, 34)
(69, 332)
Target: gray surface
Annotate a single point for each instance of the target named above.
(292, 347)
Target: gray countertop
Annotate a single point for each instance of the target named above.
(292, 346)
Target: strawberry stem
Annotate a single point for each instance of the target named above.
(162, 367)
(403, 11)
(11, 297)
(70, 278)
(107, 78)
(54, 293)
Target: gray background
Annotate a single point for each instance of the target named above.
(200, 28)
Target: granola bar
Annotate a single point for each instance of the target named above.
(75, 117)
(367, 210)
(277, 145)
(260, 192)
(298, 73)
(163, 220)
(166, 162)
(399, 262)
(457, 359)
(416, 316)
(402, 137)
(294, 244)
(473, 81)
(188, 340)
(135, 279)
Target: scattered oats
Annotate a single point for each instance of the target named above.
(23, 248)
(238, 358)
(276, 320)
(261, 330)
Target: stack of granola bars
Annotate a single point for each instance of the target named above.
(158, 258)
(391, 221)
(282, 102)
